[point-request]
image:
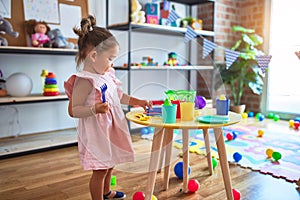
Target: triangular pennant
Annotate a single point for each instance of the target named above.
(298, 54)
(173, 16)
(263, 61)
(189, 34)
(230, 57)
(208, 47)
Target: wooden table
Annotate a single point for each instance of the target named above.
(163, 137)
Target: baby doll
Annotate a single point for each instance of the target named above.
(40, 38)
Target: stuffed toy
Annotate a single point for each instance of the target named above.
(137, 15)
(37, 31)
(6, 27)
(58, 40)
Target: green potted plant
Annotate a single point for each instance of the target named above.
(244, 72)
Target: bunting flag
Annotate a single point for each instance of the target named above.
(230, 57)
(189, 34)
(263, 61)
(208, 47)
(298, 54)
(173, 16)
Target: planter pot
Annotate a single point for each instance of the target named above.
(238, 109)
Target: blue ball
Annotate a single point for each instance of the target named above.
(237, 156)
(178, 169)
(144, 131)
(151, 129)
(250, 114)
(261, 118)
(235, 134)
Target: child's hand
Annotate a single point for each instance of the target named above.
(101, 107)
(144, 104)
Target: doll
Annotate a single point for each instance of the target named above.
(37, 30)
(40, 37)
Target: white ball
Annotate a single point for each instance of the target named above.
(18, 85)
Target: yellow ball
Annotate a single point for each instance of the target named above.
(291, 123)
(245, 115)
(153, 197)
(260, 133)
(269, 153)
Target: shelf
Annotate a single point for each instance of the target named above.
(35, 50)
(202, 67)
(192, 2)
(37, 98)
(153, 28)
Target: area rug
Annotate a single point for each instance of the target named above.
(253, 149)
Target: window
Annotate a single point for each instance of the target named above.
(284, 69)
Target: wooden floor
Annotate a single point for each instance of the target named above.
(57, 175)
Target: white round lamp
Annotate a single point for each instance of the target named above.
(18, 85)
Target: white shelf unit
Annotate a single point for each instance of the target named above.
(11, 146)
(131, 27)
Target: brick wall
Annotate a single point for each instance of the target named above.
(247, 13)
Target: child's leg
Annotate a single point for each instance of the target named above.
(107, 181)
(97, 184)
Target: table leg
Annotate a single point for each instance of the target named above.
(168, 141)
(223, 162)
(208, 151)
(154, 159)
(185, 150)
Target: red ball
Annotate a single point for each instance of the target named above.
(296, 125)
(193, 185)
(229, 136)
(236, 194)
(138, 196)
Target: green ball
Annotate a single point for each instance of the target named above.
(271, 115)
(276, 118)
(257, 116)
(276, 155)
(214, 162)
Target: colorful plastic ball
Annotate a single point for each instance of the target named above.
(276, 155)
(271, 115)
(153, 197)
(296, 125)
(250, 114)
(193, 185)
(297, 119)
(229, 136)
(258, 115)
(214, 162)
(269, 152)
(237, 156)
(245, 115)
(178, 170)
(144, 131)
(261, 118)
(200, 102)
(291, 123)
(235, 134)
(151, 129)
(236, 194)
(138, 196)
(276, 118)
(260, 133)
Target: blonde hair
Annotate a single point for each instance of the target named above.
(92, 36)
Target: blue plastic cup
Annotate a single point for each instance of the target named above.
(169, 113)
(222, 106)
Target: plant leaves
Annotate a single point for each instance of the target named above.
(242, 29)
